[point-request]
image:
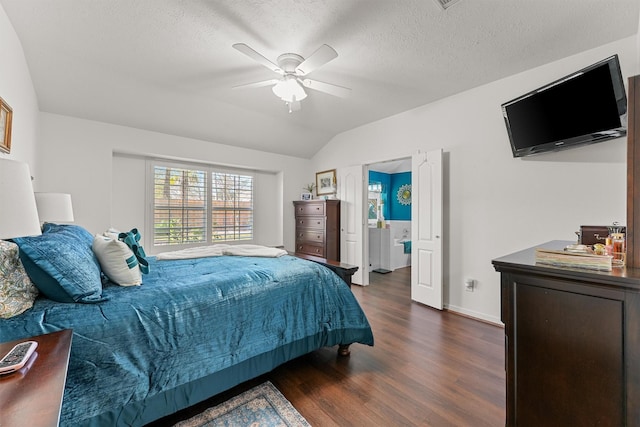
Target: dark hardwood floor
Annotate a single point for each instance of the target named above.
(427, 368)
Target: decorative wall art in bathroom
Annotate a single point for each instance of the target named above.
(404, 194)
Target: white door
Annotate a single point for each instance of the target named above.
(426, 228)
(350, 181)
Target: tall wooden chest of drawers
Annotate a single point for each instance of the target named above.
(318, 228)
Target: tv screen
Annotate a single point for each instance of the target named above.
(585, 107)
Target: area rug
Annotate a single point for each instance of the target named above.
(262, 406)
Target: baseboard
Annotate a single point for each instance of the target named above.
(474, 315)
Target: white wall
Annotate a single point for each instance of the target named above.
(17, 90)
(495, 204)
(77, 157)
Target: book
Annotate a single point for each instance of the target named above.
(573, 259)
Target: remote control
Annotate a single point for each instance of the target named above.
(17, 357)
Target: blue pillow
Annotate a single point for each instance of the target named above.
(62, 264)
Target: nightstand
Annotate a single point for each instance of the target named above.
(33, 395)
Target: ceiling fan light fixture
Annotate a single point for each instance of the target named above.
(289, 90)
(293, 69)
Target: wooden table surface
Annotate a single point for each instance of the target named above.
(33, 396)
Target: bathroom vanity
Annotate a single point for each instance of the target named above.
(387, 246)
(380, 249)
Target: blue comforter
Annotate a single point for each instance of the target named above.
(146, 351)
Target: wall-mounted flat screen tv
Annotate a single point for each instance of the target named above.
(584, 107)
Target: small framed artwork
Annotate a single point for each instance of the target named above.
(306, 196)
(326, 182)
(6, 116)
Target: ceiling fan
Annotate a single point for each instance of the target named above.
(292, 69)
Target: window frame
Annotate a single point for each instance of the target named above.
(209, 169)
(375, 193)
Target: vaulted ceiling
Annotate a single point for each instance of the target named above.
(169, 66)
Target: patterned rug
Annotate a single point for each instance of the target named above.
(262, 406)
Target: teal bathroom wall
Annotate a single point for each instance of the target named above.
(399, 212)
(391, 183)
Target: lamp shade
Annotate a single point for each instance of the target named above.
(54, 207)
(289, 90)
(18, 213)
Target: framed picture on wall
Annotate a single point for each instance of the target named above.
(326, 182)
(6, 116)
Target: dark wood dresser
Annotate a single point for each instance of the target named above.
(318, 228)
(572, 342)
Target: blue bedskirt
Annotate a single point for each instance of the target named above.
(193, 329)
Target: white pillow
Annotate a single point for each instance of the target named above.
(17, 292)
(117, 261)
(112, 233)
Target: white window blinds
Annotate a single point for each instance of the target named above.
(231, 206)
(199, 205)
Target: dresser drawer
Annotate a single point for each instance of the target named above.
(310, 208)
(306, 248)
(307, 235)
(314, 222)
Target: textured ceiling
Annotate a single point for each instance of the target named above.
(168, 65)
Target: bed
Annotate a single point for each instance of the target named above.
(194, 328)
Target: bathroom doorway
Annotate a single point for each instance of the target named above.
(388, 216)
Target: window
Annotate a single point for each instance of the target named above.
(195, 205)
(231, 206)
(375, 201)
(179, 206)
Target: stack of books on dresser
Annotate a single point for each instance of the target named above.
(570, 259)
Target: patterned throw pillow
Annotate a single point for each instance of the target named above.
(17, 292)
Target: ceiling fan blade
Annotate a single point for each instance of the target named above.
(331, 89)
(257, 84)
(257, 57)
(321, 56)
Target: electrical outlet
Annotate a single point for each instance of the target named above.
(469, 285)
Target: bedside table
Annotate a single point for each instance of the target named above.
(33, 395)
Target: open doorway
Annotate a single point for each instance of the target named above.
(388, 215)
